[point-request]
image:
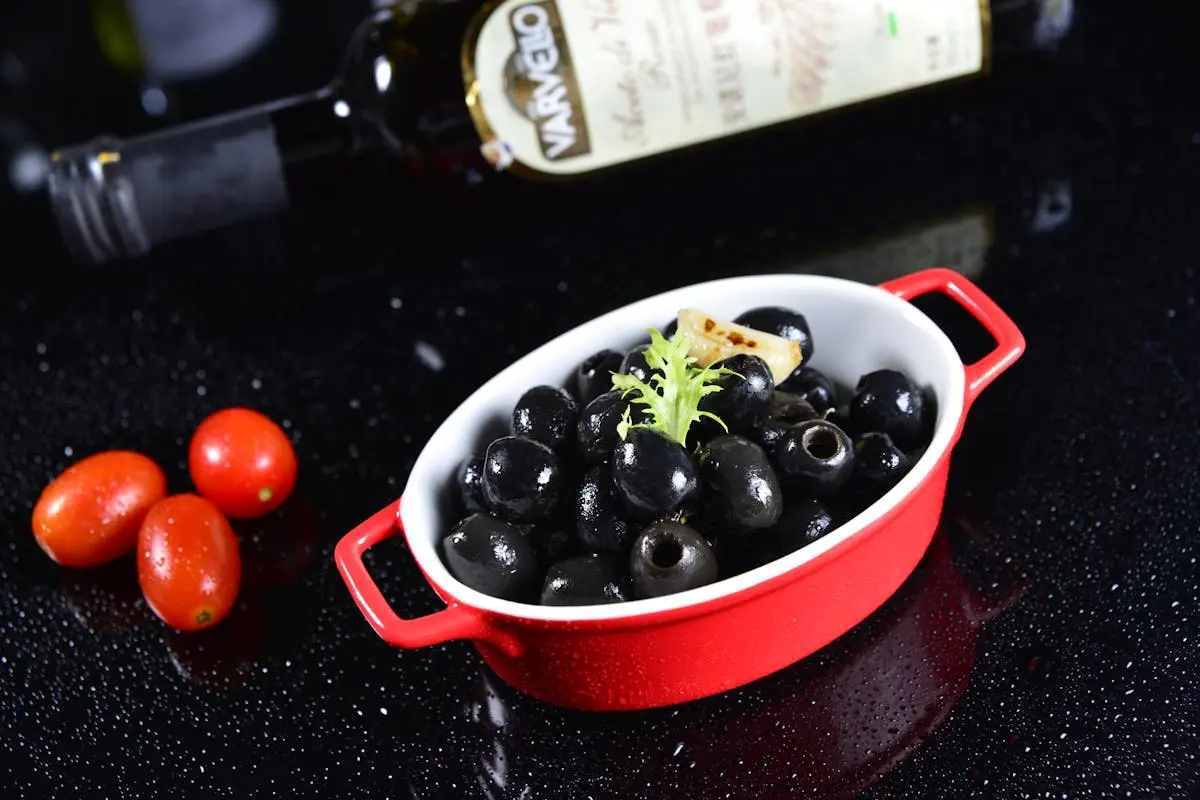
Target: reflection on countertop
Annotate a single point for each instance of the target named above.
(828, 726)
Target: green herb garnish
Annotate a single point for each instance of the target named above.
(672, 396)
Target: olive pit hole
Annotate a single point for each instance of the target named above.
(666, 553)
(821, 443)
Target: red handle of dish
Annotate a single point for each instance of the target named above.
(454, 622)
(1010, 342)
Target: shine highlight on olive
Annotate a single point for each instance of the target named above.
(678, 463)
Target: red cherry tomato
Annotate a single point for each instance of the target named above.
(90, 514)
(243, 462)
(189, 566)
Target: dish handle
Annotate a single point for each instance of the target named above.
(1010, 342)
(453, 622)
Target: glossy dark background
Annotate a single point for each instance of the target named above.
(1047, 647)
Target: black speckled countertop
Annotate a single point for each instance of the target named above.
(1047, 646)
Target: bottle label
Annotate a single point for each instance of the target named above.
(564, 87)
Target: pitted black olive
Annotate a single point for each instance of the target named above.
(596, 432)
(887, 401)
(601, 521)
(522, 479)
(548, 415)
(493, 557)
(653, 475)
(594, 376)
(669, 557)
(587, 580)
(739, 484)
(815, 457)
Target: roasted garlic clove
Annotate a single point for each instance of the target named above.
(715, 339)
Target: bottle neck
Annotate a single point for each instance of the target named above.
(119, 198)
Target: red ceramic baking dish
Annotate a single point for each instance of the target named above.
(673, 649)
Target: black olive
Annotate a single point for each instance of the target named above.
(788, 407)
(669, 557)
(635, 364)
(653, 475)
(734, 554)
(587, 580)
(470, 484)
(782, 322)
(740, 487)
(841, 417)
(671, 328)
(768, 434)
(522, 479)
(743, 401)
(816, 457)
(878, 466)
(596, 432)
(887, 401)
(812, 385)
(600, 518)
(802, 523)
(552, 541)
(492, 557)
(546, 414)
(594, 376)
(786, 410)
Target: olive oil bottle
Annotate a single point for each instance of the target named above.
(533, 96)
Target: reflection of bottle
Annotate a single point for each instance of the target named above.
(554, 88)
(959, 240)
(960, 237)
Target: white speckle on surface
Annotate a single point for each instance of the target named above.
(396, 303)
(428, 355)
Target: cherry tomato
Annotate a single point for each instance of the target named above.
(90, 514)
(189, 566)
(243, 462)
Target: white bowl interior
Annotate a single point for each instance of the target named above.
(856, 328)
